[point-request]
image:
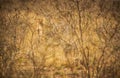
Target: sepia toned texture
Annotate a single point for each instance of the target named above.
(59, 38)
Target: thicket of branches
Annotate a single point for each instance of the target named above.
(85, 32)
